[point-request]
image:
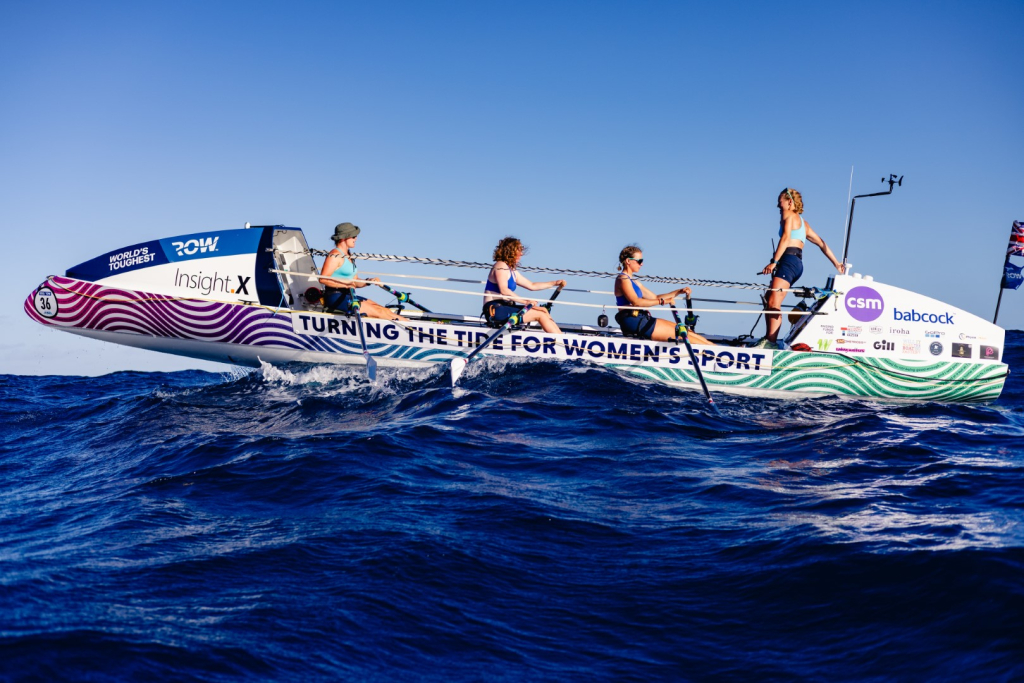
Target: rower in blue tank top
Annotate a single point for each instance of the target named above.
(500, 299)
(340, 278)
(511, 284)
(639, 323)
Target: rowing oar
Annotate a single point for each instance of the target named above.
(371, 364)
(681, 332)
(403, 297)
(458, 365)
(551, 299)
(691, 319)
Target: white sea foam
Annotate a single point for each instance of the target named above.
(332, 380)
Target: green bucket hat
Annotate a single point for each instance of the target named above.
(342, 231)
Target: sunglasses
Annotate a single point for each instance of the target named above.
(639, 261)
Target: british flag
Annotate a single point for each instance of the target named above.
(1016, 247)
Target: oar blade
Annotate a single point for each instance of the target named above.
(457, 366)
(371, 368)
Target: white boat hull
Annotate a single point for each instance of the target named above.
(247, 333)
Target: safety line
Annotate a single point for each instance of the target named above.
(540, 269)
(560, 301)
(564, 289)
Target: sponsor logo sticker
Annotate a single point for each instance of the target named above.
(201, 245)
(823, 344)
(961, 350)
(828, 329)
(914, 316)
(212, 283)
(911, 347)
(899, 330)
(935, 348)
(988, 352)
(131, 259)
(848, 349)
(875, 329)
(864, 304)
(884, 346)
(851, 330)
(934, 334)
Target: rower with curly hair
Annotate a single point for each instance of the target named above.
(500, 298)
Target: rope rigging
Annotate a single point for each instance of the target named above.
(695, 282)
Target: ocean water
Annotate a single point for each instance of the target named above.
(544, 522)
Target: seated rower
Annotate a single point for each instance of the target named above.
(500, 299)
(629, 292)
(339, 273)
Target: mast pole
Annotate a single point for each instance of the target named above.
(849, 224)
(998, 301)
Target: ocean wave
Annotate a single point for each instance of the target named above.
(545, 522)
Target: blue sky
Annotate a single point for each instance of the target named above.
(577, 126)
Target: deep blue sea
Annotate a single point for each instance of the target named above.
(545, 522)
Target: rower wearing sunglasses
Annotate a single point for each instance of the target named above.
(629, 292)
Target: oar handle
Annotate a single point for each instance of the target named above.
(403, 297)
(690, 319)
(551, 299)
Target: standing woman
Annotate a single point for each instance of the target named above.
(339, 273)
(787, 264)
(500, 298)
(629, 292)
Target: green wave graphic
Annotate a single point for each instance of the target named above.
(868, 377)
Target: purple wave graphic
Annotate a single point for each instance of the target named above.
(86, 305)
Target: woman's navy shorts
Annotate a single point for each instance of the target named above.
(340, 299)
(789, 268)
(497, 312)
(640, 325)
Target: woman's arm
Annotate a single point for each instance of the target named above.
(649, 298)
(500, 273)
(667, 297)
(331, 264)
(813, 238)
(522, 281)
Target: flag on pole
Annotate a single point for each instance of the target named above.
(1016, 246)
(1012, 277)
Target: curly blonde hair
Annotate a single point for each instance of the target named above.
(797, 199)
(508, 251)
(629, 251)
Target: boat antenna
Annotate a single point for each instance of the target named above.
(849, 194)
(849, 223)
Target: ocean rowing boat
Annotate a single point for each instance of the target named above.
(251, 295)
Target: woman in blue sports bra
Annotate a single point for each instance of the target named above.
(500, 300)
(629, 292)
(338, 274)
(787, 264)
